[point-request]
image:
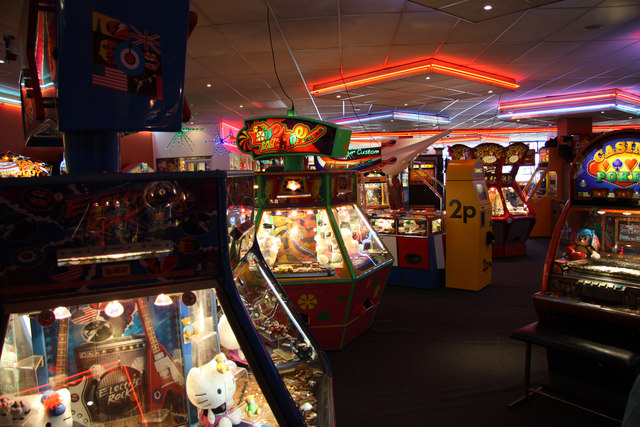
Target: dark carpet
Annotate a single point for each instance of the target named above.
(444, 357)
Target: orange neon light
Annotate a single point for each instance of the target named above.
(69, 380)
(10, 104)
(414, 68)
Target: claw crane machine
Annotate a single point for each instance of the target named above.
(311, 231)
(141, 299)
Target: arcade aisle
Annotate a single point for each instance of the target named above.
(444, 357)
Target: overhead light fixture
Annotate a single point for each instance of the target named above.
(163, 300)
(604, 100)
(487, 7)
(412, 69)
(113, 253)
(61, 312)
(412, 116)
(114, 309)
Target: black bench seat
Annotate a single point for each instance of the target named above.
(596, 347)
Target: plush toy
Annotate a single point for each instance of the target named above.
(586, 245)
(210, 388)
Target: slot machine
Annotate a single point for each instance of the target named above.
(592, 271)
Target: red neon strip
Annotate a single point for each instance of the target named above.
(135, 396)
(366, 78)
(356, 82)
(475, 76)
(57, 385)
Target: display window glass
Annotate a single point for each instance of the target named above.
(292, 352)
(156, 361)
(600, 244)
(300, 243)
(515, 205)
(364, 248)
(532, 185)
(383, 224)
(497, 209)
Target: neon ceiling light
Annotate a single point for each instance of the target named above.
(606, 100)
(393, 115)
(430, 65)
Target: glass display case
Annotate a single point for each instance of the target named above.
(382, 222)
(106, 326)
(419, 223)
(593, 263)
(322, 249)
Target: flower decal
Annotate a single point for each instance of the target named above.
(307, 301)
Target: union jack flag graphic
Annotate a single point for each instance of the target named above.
(150, 41)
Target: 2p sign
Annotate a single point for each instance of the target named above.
(460, 211)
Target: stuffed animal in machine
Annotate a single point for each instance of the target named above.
(586, 245)
(210, 388)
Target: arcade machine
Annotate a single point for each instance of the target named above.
(376, 192)
(121, 297)
(512, 218)
(311, 231)
(140, 299)
(468, 224)
(590, 284)
(423, 188)
(15, 165)
(542, 189)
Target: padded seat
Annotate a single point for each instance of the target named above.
(550, 337)
(601, 348)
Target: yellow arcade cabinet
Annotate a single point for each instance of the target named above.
(468, 225)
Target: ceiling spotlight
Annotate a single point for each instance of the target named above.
(489, 91)
(114, 309)
(162, 300)
(208, 84)
(242, 106)
(61, 312)
(338, 96)
(428, 77)
(487, 7)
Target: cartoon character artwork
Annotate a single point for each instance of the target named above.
(210, 388)
(586, 245)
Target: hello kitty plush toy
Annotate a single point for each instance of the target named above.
(210, 388)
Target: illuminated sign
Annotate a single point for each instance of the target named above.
(616, 163)
(289, 135)
(609, 167)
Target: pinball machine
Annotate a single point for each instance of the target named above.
(125, 295)
(512, 217)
